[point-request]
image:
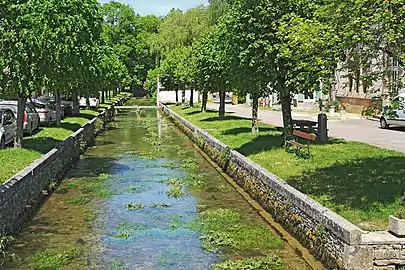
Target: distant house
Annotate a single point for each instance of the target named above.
(358, 94)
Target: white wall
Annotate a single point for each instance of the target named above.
(170, 96)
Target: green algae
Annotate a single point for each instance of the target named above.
(263, 263)
(45, 260)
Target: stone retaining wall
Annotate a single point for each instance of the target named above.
(23, 193)
(336, 242)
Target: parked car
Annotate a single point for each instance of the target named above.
(67, 104)
(64, 109)
(94, 102)
(394, 113)
(8, 127)
(31, 116)
(46, 110)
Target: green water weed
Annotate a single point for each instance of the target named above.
(51, 260)
(160, 205)
(265, 263)
(175, 192)
(79, 200)
(134, 206)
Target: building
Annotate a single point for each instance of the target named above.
(385, 77)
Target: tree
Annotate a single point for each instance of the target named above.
(212, 67)
(21, 49)
(71, 28)
(256, 49)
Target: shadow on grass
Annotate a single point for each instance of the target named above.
(40, 144)
(360, 184)
(261, 143)
(70, 126)
(227, 118)
(240, 130)
(200, 112)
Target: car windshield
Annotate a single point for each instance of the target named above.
(29, 108)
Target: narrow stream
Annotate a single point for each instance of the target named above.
(144, 198)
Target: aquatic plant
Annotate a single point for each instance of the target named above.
(79, 200)
(189, 164)
(160, 205)
(224, 188)
(175, 192)
(134, 206)
(260, 263)
(90, 217)
(225, 226)
(51, 260)
(104, 176)
(125, 230)
(213, 241)
(195, 180)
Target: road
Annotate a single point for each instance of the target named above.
(360, 130)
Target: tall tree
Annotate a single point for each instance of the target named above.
(71, 28)
(21, 49)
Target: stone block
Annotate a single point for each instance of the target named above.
(396, 226)
(358, 257)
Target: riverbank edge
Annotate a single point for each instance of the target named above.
(336, 242)
(22, 195)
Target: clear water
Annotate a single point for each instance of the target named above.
(134, 158)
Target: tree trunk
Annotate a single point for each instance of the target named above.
(286, 109)
(204, 101)
(18, 141)
(102, 96)
(191, 97)
(255, 112)
(222, 95)
(183, 96)
(177, 96)
(58, 108)
(76, 107)
(87, 102)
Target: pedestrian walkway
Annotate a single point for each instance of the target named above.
(360, 130)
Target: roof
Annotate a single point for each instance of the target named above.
(9, 102)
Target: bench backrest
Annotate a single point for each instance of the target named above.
(304, 135)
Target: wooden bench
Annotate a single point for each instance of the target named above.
(303, 135)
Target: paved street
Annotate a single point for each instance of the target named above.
(360, 130)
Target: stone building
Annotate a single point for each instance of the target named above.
(357, 93)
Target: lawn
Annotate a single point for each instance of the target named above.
(14, 160)
(363, 183)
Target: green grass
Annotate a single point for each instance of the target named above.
(14, 160)
(361, 182)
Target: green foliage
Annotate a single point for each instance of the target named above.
(265, 263)
(175, 192)
(51, 260)
(226, 228)
(134, 206)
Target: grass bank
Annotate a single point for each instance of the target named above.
(13, 160)
(363, 183)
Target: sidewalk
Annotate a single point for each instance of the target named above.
(360, 130)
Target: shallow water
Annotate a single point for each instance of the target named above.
(115, 209)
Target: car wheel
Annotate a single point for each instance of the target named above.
(3, 143)
(383, 123)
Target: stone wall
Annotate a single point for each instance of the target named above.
(23, 193)
(336, 242)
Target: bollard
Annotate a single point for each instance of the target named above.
(322, 127)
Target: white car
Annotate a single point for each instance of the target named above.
(8, 127)
(394, 113)
(94, 102)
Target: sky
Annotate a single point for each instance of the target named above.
(159, 7)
